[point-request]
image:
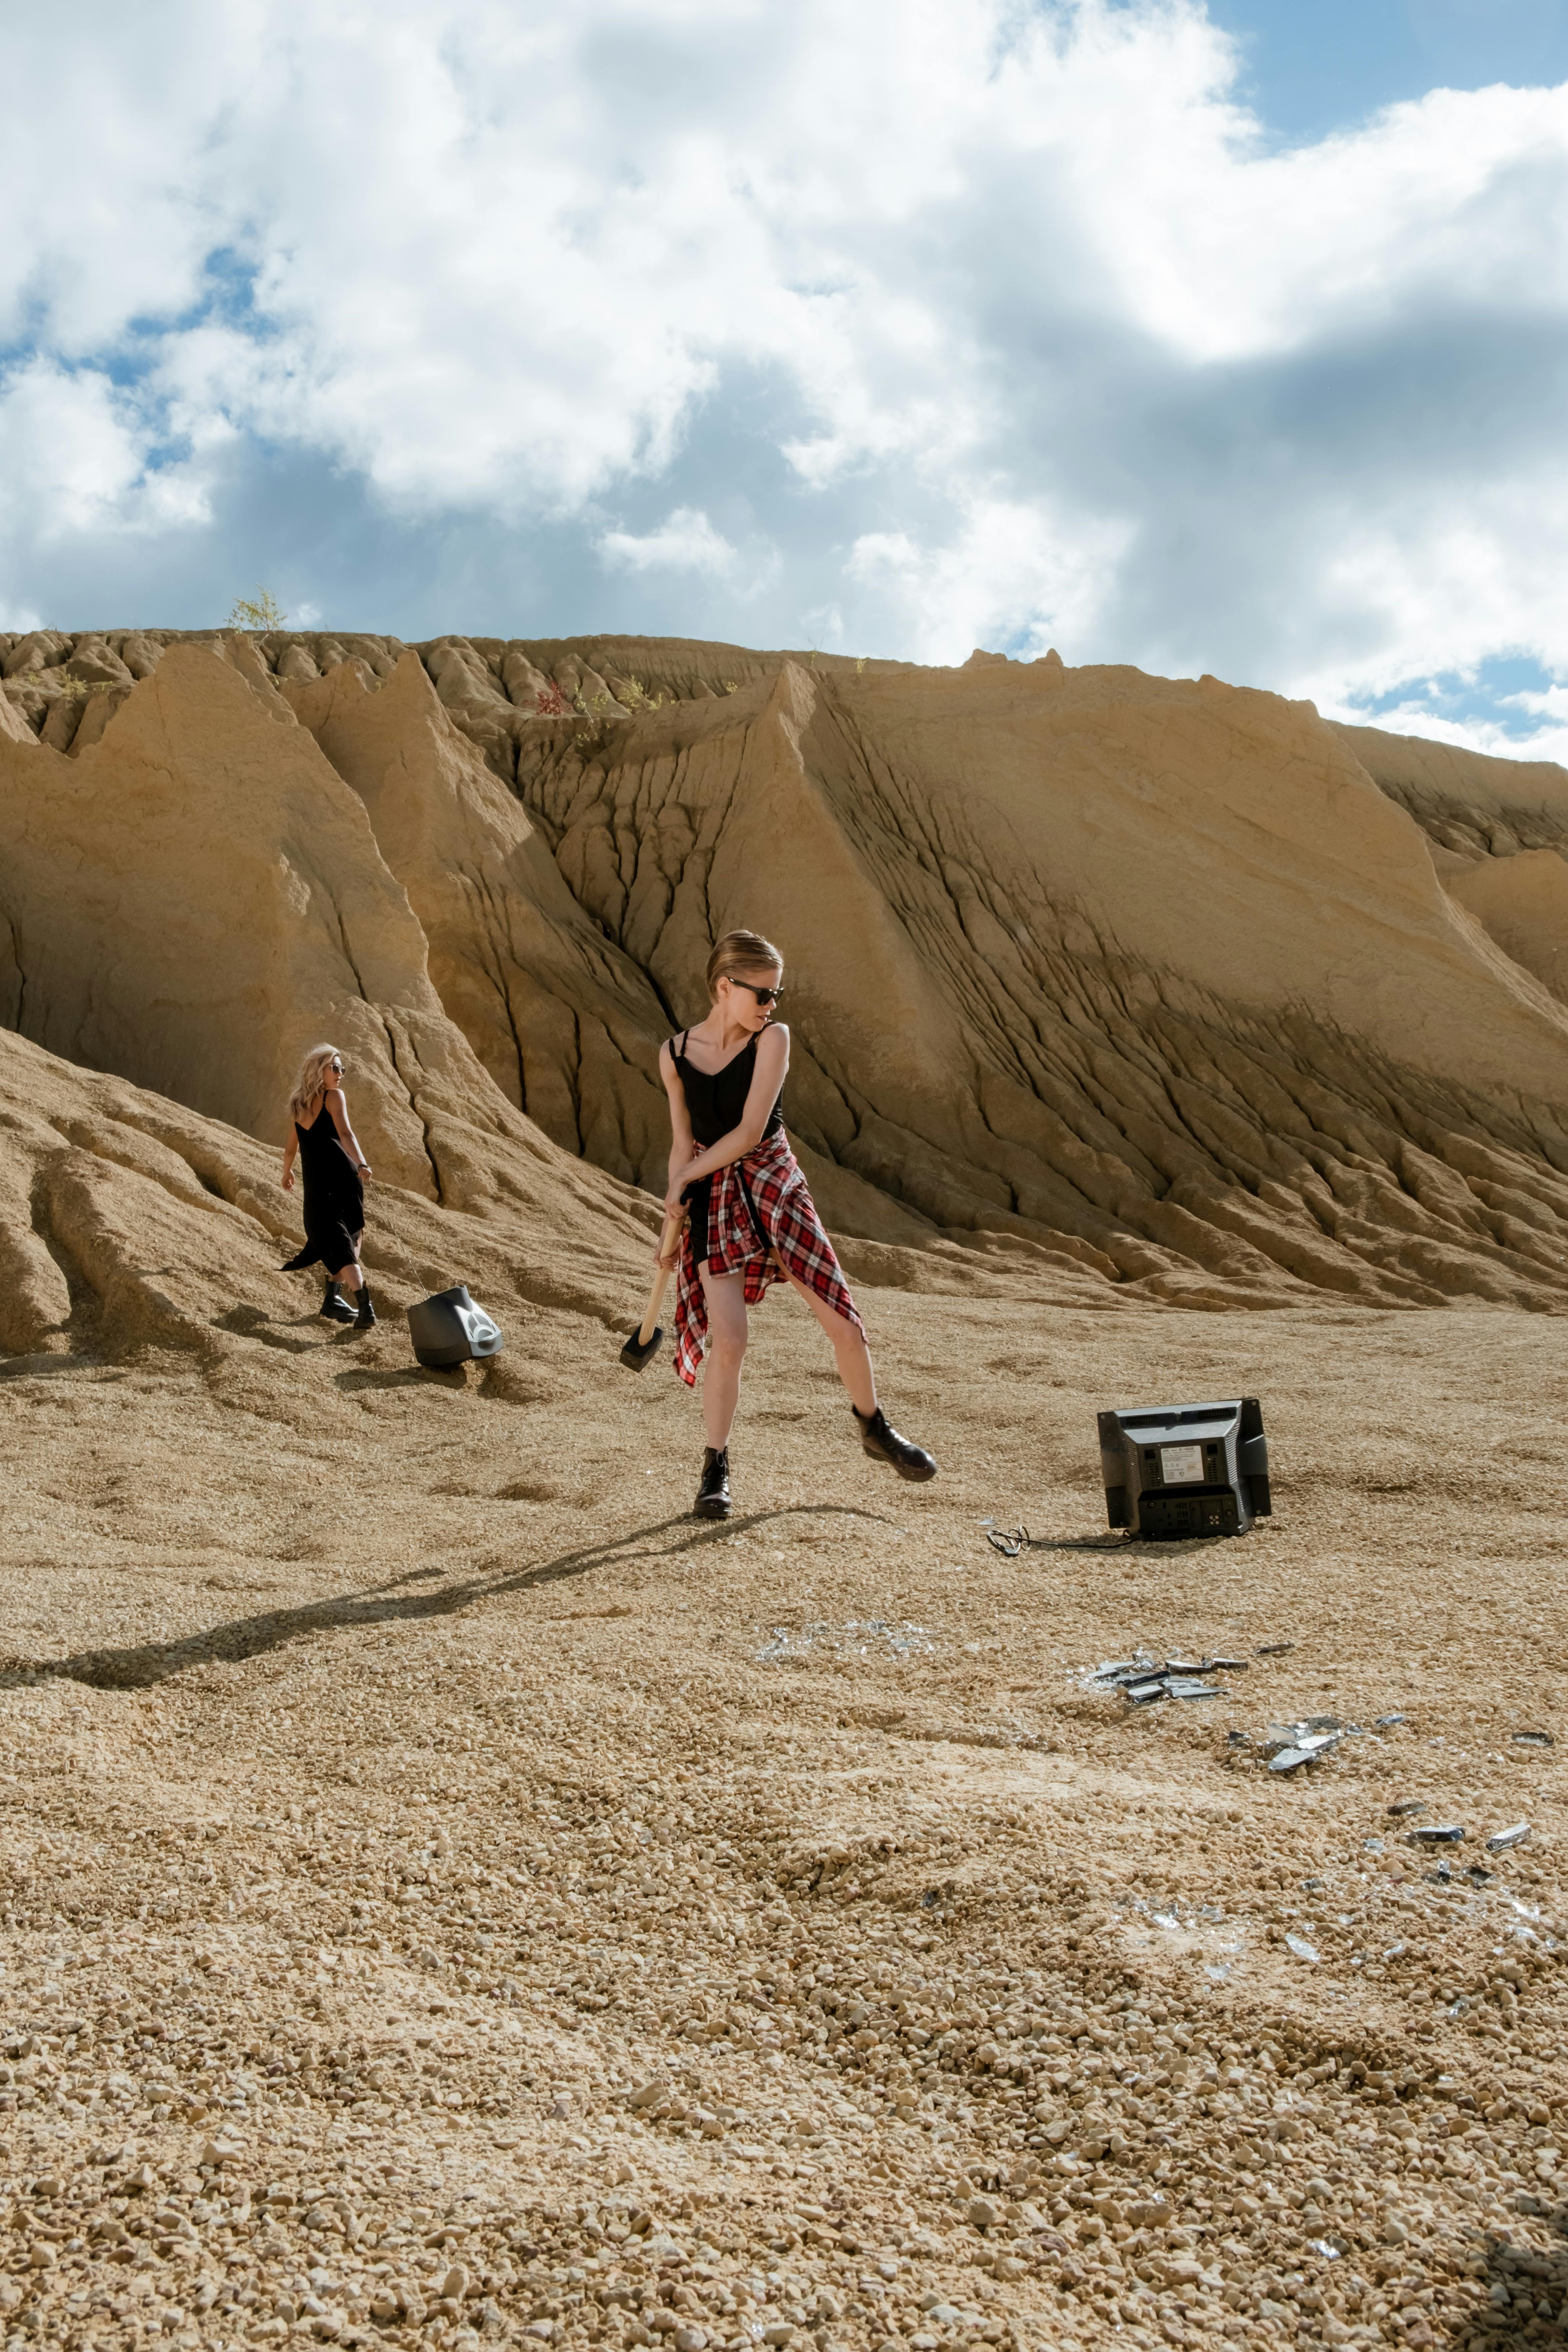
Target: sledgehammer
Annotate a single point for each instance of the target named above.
(643, 1346)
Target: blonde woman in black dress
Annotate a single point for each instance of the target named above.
(751, 1220)
(334, 1168)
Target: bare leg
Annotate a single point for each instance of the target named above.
(350, 1276)
(848, 1345)
(726, 1298)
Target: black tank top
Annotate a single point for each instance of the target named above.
(716, 1099)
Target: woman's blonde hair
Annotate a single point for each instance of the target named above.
(312, 1082)
(739, 951)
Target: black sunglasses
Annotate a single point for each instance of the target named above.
(765, 996)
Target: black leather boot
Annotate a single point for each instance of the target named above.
(334, 1305)
(366, 1315)
(882, 1440)
(713, 1495)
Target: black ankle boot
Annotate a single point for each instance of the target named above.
(882, 1440)
(366, 1315)
(713, 1495)
(334, 1305)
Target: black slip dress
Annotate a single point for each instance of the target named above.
(335, 1197)
(716, 1104)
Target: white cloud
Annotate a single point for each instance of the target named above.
(972, 320)
(686, 542)
(1418, 717)
(1008, 580)
(77, 458)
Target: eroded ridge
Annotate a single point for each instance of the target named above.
(1167, 988)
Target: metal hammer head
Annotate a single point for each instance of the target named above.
(635, 1355)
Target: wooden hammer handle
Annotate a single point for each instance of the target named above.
(668, 1259)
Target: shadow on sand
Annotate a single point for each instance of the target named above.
(147, 1664)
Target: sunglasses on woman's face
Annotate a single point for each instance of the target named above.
(765, 996)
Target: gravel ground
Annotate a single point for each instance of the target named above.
(451, 1896)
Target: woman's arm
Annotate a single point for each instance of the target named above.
(290, 1154)
(767, 1081)
(682, 1142)
(337, 1103)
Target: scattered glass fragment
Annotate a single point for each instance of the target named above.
(857, 1638)
(1299, 1946)
(1439, 1834)
(1507, 1839)
(1478, 1877)
(1533, 1740)
(1406, 1811)
(1307, 1751)
(1386, 1722)
(1273, 1649)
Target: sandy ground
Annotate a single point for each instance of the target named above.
(452, 1895)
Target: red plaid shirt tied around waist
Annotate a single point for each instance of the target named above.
(790, 1241)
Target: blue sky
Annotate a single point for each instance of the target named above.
(1228, 337)
(1313, 67)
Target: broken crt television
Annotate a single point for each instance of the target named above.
(1185, 1470)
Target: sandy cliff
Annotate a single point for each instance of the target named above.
(1160, 988)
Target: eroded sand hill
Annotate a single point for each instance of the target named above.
(1168, 987)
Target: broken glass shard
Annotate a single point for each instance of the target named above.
(1306, 1751)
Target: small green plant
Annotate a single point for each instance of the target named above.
(259, 611)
